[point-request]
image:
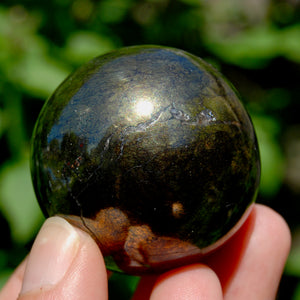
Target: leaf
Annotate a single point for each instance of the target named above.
(122, 286)
(114, 11)
(290, 43)
(272, 159)
(25, 57)
(255, 47)
(296, 295)
(17, 201)
(39, 75)
(4, 276)
(293, 262)
(84, 45)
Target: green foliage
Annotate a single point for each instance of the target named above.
(81, 46)
(124, 290)
(17, 205)
(272, 160)
(41, 42)
(255, 47)
(25, 57)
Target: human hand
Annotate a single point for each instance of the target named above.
(65, 263)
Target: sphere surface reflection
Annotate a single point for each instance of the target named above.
(150, 151)
(144, 108)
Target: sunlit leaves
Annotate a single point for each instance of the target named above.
(25, 57)
(255, 47)
(82, 46)
(272, 160)
(17, 200)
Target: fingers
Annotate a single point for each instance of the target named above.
(251, 264)
(64, 263)
(191, 282)
(261, 267)
(248, 266)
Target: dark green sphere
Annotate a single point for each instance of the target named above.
(149, 150)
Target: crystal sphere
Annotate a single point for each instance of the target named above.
(149, 150)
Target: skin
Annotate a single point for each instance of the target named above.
(248, 266)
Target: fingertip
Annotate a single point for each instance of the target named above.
(64, 263)
(261, 265)
(190, 282)
(53, 251)
(275, 227)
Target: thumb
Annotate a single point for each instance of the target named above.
(64, 263)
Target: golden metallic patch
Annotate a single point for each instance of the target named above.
(177, 210)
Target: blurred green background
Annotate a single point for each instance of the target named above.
(255, 43)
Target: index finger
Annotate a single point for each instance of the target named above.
(250, 265)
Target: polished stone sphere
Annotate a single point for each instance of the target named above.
(150, 151)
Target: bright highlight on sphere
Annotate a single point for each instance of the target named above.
(144, 108)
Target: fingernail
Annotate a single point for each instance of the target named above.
(51, 255)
